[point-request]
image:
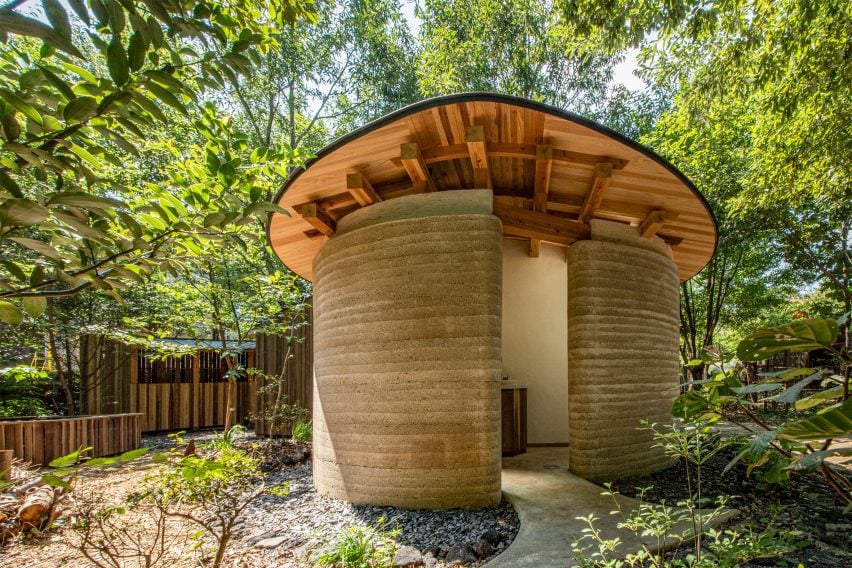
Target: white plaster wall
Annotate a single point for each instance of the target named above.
(535, 333)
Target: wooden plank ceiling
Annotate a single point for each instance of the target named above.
(551, 173)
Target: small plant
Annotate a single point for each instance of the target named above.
(227, 438)
(360, 547)
(695, 443)
(302, 431)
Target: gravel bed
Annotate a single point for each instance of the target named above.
(808, 504)
(283, 531)
(289, 526)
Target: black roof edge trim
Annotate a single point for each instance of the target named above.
(483, 96)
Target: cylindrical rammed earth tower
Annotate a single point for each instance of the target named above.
(623, 301)
(407, 332)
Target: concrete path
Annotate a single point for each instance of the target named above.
(548, 498)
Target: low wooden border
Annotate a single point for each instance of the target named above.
(42, 440)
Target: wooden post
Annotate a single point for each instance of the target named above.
(134, 366)
(196, 368)
(6, 465)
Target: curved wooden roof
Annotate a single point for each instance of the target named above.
(551, 172)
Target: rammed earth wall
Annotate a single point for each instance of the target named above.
(407, 332)
(623, 301)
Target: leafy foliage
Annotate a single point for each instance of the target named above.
(22, 392)
(66, 221)
(788, 447)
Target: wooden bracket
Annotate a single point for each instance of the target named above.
(412, 161)
(319, 219)
(603, 175)
(478, 157)
(361, 190)
(654, 222)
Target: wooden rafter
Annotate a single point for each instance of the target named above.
(476, 147)
(543, 169)
(520, 222)
(314, 215)
(361, 190)
(412, 160)
(602, 177)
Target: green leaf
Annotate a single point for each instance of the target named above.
(10, 313)
(79, 8)
(101, 462)
(117, 20)
(9, 184)
(14, 269)
(214, 219)
(38, 246)
(81, 199)
(760, 387)
(57, 17)
(11, 128)
(791, 394)
(15, 23)
(80, 109)
(831, 423)
(35, 305)
(19, 212)
(119, 67)
(262, 207)
(166, 96)
(133, 454)
(56, 481)
(69, 459)
(136, 52)
(58, 83)
(799, 335)
(819, 397)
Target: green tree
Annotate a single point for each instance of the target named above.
(515, 47)
(80, 92)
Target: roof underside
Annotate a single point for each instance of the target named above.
(551, 172)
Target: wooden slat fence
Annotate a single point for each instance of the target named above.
(105, 368)
(190, 392)
(298, 386)
(188, 406)
(41, 440)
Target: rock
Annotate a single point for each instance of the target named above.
(483, 549)
(255, 538)
(429, 560)
(407, 556)
(462, 554)
(273, 542)
(838, 527)
(493, 537)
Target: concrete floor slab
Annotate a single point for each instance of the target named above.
(548, 499)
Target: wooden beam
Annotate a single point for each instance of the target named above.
(603, 175)
(543, 167)
(653, 223)
(519, 222)
(476, 147)
(509, 150)
(361, 190)
(319, 219)
(412, 161)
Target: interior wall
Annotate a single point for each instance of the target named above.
(535, 335)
